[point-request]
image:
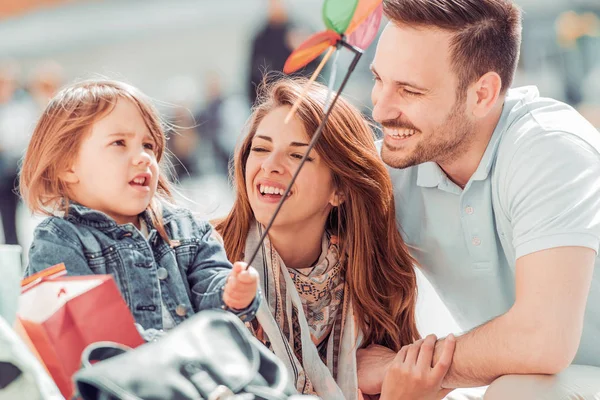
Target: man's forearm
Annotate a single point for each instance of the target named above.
(504, 345)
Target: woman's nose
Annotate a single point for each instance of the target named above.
(273, 163)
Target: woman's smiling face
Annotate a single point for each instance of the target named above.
(275, 153)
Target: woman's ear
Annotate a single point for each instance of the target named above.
(337, 199)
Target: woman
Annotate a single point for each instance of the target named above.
(334, 271)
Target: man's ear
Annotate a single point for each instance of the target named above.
(69, 176)
(484, 94)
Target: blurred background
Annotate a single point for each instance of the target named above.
(201, 59)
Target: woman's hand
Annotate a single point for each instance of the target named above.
(241, 286)
(411, 375)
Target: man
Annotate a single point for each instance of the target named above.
(498, 195)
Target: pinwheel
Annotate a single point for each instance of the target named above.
(352, 24)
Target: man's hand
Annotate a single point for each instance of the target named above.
(411, 374)
(372, 364)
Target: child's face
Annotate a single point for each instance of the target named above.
(275, 154)
(116, 171)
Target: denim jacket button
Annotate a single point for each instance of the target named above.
(162, 273)
(181, 310)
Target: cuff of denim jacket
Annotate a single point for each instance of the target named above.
(247, 314)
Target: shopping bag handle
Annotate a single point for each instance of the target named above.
(49, 273)
(101, 351)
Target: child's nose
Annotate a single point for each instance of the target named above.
(142, 158)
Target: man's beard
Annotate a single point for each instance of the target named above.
(446, 143)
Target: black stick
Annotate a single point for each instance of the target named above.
(357, 54)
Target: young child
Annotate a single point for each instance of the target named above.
(93, 166)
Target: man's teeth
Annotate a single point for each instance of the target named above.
(139, 181)
(271, 190)
(402, 133)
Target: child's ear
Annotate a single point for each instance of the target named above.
(337, 198)
(69, 176)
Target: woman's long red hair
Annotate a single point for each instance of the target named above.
(378, 268)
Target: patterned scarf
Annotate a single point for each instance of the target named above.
(322, 293)
(307, 321)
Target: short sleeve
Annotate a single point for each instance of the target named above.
(552, 193)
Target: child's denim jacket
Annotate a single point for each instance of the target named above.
(189, 274)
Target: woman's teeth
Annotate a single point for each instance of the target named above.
(139, 181)
(271, 190)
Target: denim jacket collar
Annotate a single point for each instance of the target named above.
(83, 215)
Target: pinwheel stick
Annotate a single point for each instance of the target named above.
(357, 54)
(310, 81)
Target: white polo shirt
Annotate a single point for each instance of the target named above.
(536, 187)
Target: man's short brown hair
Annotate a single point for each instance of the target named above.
(487, 33)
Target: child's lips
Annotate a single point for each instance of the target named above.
(140, 188)
(141, 180)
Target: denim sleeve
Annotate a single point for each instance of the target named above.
(209, 272)
(52, 245)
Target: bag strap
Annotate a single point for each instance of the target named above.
(101, 351)
(198, 375)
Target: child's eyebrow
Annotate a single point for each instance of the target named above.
(129, 134)
(120, 134)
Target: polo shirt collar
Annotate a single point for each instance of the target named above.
(429, 174)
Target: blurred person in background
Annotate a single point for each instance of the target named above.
(183, 143)
(10, 127)
(181, 131)
(578, 35)
(210, 123)
(272, 45)
(44, 82)
(19, 110)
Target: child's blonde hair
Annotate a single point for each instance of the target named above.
(56, 140)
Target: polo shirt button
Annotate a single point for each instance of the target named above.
(469, 210)
(181, 310)
(162, 273)
(476, 241)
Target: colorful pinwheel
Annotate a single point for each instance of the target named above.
(350, 23)
(355, 21)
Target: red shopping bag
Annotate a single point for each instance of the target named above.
(62, 315)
